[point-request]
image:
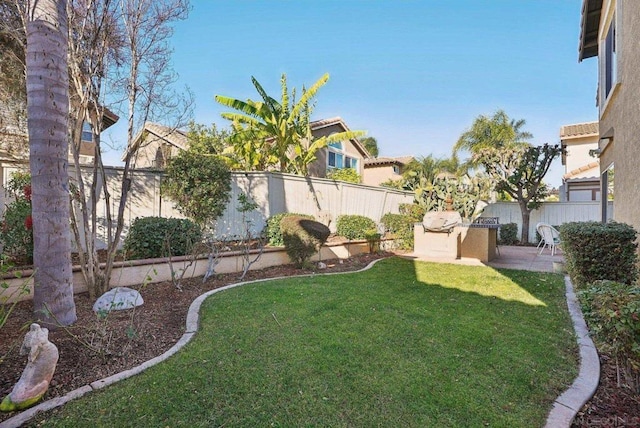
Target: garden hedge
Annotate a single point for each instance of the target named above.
(152, 237)
(595, 251)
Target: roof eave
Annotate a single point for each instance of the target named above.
(589, 26)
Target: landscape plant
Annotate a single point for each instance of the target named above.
(200, 186)
(508, 234)
(302, 238)
(353, 226)
(273, 230)
(153, 237)
(16, 233)
(600, 251)
(245, 206)
(612, 311)
(401, 226)
(349, 175)
(282, 128)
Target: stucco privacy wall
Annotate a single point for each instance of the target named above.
(273, 192)
(554, 213)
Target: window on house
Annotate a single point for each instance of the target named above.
(87, 133)
(610, 60)
(337, 158)
(396, 169)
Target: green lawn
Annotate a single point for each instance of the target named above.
(404, 344)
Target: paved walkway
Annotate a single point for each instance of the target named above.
(510, 257)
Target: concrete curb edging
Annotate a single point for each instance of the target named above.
(192, 324)
(567, 405)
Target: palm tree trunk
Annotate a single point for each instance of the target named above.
(47, 113)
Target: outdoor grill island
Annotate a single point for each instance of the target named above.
(442, 234)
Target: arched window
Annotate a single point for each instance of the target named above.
(337, 158)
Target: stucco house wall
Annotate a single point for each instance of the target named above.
(351, 148)
(379, 170)
(156, 144)
(581, 178)
(619, 107)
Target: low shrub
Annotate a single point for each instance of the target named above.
(349, 175)
(272, 229)
(151, 237)
(401, 226)
(414, 211)
(612, 310)
(595, 251)
(302, 238)
(354, 226)
(508, 234)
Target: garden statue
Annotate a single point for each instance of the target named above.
(35, 379)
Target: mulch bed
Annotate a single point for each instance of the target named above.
(93, 349)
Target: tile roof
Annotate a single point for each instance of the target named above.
(388, 161)
(579, 130)
(582, 169)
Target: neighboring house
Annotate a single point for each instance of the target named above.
(379, 170)
(14, 136)
(610, 30)
(87, 145)
(345, 154)
(581, 179)
(155, 144)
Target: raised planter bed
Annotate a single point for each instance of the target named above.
(136, 272)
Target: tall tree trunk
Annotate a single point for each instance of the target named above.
(526, 215)
(47, 113)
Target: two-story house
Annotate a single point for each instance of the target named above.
(155, 144)
(610, 30)
(581, 179)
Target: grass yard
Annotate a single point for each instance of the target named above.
(405, 343)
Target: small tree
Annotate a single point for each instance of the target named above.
(200, 185)
(518, 171)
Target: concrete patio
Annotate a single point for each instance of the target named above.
(509, 257)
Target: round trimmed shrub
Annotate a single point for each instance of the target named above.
(152, 237)
(354, 226)
(273, 231)
(302, 238)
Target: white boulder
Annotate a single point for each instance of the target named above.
(117, 299)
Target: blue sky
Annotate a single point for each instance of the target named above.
(413, 74)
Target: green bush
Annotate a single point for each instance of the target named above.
(414, 211)
(354, 226)
(612, 310)
(401, 226)
(151, 237)
(595, 251)
(16, 233)
(508, 234)
(349, 175)
(200, 185)
(302, 237)
(272, 229)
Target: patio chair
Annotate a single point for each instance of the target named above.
(550, 237)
